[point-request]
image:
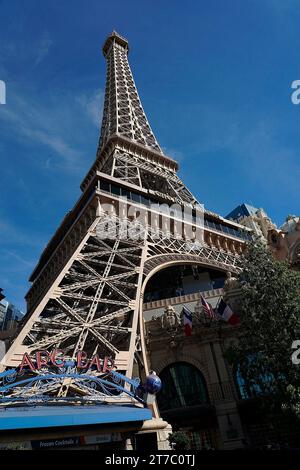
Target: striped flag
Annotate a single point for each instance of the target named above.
(187, 321)
(225, 312)
(207, 308)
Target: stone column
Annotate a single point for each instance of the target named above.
(223, 398)
(162, 429)
(229, 425)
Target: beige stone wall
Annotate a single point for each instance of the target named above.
(204, 350)
(157, 307)
(285, 243)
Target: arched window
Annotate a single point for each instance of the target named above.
(183, 385)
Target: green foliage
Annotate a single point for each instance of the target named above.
(179, 440)
(293, 402)
(270, 322)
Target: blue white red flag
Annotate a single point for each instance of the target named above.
(225, 312)
(187, 321)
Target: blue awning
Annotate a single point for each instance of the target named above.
(55, 416)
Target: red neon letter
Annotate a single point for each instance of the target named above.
(42, 361)
(81, 356)
(26, 361)
(53, 355)
(95, 361)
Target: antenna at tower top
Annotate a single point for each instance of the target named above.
(115, 38)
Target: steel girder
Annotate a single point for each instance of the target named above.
(149, 175)
(95, 305)
(123, 113)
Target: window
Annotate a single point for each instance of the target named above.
(125, 193)
(145, 200)
(115, 190)
(210, 224)
(234, 232)
(183, 385)
(135, 197)
(105, 186)
(153, 202)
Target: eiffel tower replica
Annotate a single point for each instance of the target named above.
(134, 217)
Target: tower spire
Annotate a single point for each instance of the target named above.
(123, 113)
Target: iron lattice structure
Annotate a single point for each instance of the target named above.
(123, 113)
(88, 286)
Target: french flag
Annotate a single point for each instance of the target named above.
(227, 314)
(187, 321)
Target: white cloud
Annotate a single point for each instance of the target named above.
(20, 259)
(255, 148)
(268, 161)
(173, 153)
(40, 125)
(43, 47)
(56, 121)
(11, 234)
(93, 106)
(34, 51)
(282, 6)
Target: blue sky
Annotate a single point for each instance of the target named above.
(215, 81)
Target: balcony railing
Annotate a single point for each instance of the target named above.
(183, 299)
